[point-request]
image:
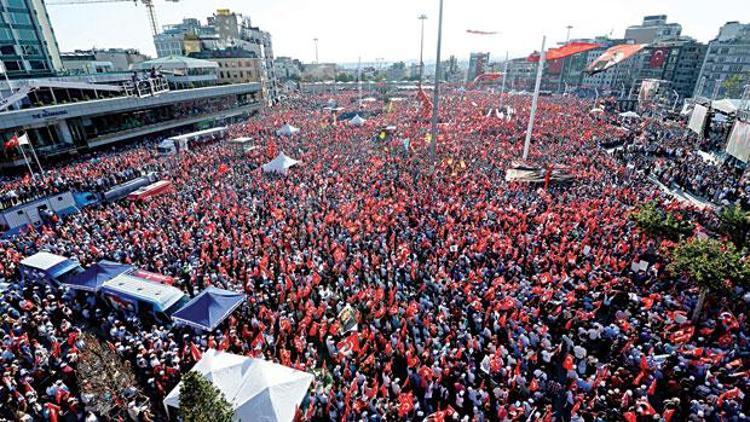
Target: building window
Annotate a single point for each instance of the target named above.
(26, 35)
(38, 65)
(8, 50)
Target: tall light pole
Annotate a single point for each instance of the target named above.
(422, 18)
(562, 68)
(436, 88)
(539, 69)
(316, 50)
(505, 73)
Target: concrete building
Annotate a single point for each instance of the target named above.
(63, 115)
(726, 68)
(521, 74)
(616, 79)
(84, 63)
(315, 72)
(288, 68)
(235, 65)
(653, 29)
(675, 61)
(183, 72)
(477, 65)
(28, 46)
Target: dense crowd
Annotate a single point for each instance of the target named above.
(477, 299)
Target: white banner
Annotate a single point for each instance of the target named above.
(698, 119)
(739, 141)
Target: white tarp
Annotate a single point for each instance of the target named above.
(256, 389)
(739, 141)
(280, 164)
(357, 120)
(630, 115)
(698, 119)
(287, 130)
(726, 106)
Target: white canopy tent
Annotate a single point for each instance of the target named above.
(357, 120)
(287, 130)
(256, 389)
(630, 115)
(280, 164)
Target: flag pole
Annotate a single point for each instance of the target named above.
(33, 176)
(534, 101)
(436, 89)
(33, 152)
(505, 73)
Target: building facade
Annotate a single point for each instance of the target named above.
(653, 29)
(478, 63)
(28, 46)
(121, 58)
(235, 65)
(726, 68)
(84, 63)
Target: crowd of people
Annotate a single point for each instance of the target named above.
(476, 299)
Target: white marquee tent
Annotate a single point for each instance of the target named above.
(357, 120)
(280, 164)
(287, 130)
(256, 389)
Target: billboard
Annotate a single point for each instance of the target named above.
(649, 88)
(698, 119)
(739, 141)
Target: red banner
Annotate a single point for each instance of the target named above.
(565, 51)
(658, 57)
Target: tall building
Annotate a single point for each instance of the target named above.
(28, 46)
(121, 58)
(235, 65)
(288, 68)
(652, 29)
(84, 63)
(521, 74)
(477, 64)
(726, 68)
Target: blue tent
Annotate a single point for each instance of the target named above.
(94, 276)
(207, 310)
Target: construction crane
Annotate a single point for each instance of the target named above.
(148, 3)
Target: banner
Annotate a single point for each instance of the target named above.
(348, 319)
(488, 77)
(613, 56)
(739, 141)
(565, 51)
(649, 88)
(698, 119)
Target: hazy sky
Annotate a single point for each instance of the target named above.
(389, 29)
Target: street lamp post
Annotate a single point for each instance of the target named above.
(436, 88)
(534, 101)
(562, 67)
(422, 18)
(505, 74)
(316, 50)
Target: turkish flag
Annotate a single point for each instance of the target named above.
(658, 58)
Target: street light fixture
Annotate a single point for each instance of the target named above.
(422, 18)
(436, 89)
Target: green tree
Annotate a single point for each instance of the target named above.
(735, 223)
(734, 85)
(659, 223)
(713, 265)
(200, 401)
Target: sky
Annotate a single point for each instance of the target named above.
(389, 29)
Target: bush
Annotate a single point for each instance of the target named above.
(735, 224)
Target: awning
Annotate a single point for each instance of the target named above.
(207, 310)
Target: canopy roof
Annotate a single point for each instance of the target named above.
(93, 277)
(207, 310)
(630, 114)
(256, 389)
(287, 130)
(726, 106)
(280, 164)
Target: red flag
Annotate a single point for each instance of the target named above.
(405, 404)
(566, 50)
(223, 168)
(568, 363)
(12, 142)
(195, 352)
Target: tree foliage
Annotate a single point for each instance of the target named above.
(200, 401)
(660, 223)
(733, 86)
(710, 263)
(735, 223)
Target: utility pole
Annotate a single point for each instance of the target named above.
(316, 50)
(436, 89)
(422, 18)
(562, 67)
(534, 101)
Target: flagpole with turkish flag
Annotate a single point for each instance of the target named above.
(24, 140)
(15, 142)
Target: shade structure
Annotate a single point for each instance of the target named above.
(94, 276)
(281, 164)
(256, 389)
(287, 130)
(207, 310)
(613, 56)
(630, 115)
(357, 120)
